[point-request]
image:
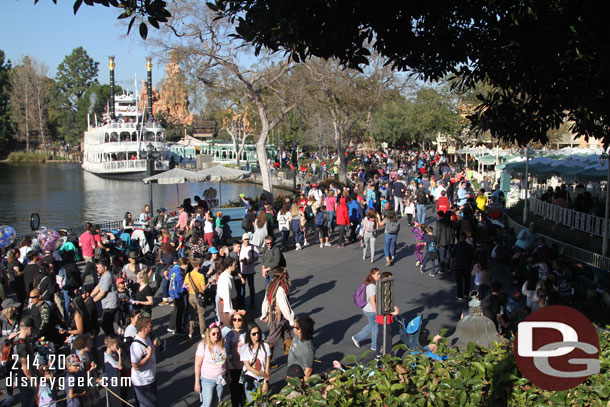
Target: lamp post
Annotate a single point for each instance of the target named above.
(603, 159)
(150, 168)
(295, 163)
(527, 153)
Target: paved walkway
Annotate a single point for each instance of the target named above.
(323, 282)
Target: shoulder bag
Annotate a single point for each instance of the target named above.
(206, 297)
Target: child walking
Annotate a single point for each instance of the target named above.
(418, 233)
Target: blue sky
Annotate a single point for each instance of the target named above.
(49, 32)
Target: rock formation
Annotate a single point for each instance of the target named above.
(173, 101)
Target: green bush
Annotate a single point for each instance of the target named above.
(23, 157)
(475, 377)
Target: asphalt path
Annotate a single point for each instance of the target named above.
(323, 283)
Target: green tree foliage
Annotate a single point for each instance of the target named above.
(75, 75)
(400, 121)
(6, 128)
(94, 102)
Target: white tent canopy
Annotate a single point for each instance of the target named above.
(176, 176)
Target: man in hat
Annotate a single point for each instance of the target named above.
(158, 221)
(272, 258)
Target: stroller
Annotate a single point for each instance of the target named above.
(410, 335)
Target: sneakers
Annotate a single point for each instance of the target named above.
(432, 274)
(417, 263)
(388, 263)
(459, 298)
(355, 342)
(327, 244)
(171, 331)
(298, 246)
(321, 245)
(164, 302)
(421, 269)
(305, 244)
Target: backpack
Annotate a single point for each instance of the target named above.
(392, 228)
(245, 224)
(319, 219)
(369, 226)
(308, 212)
(360, 296)
(432, 247)
(124, 349)
(7, 351)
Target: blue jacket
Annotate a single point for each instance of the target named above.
(176, 281)
(355, 210)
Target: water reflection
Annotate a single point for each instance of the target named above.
(66, 196)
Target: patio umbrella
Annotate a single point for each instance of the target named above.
(174, 176)
(221, 173)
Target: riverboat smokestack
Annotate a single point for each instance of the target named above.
(149, 67)
(111, 68)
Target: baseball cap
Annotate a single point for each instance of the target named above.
(245, 236)
(180, 206)
(162, 210)
(212, 250)
(120, 280)
(10, 303)
(315, 185)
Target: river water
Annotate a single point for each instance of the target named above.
(66, 196)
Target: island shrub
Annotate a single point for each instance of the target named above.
(474, 377)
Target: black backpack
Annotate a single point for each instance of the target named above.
(308, 212)
(124, 348)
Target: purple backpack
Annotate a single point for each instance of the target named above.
(360, 296)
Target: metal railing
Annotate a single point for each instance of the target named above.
(125, 165)
(573, 252)
(570, 218)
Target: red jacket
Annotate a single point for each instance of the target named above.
(443, 204)
(342, 213)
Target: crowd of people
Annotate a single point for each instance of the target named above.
(198, 267)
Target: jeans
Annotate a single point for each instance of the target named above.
(426, 259)
(211, 392)
(421, 213)
(66, 294)
(389, 245)
(331, 216)
(250, 392)
(443, 258)
(165, 287)
(250, 281)
(370, 328)
(369, 241)
(342, 234)
(285, 234)
(296, 231)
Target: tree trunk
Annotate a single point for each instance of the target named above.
(27, 120)
(341, 152)
(261, 152)
(41, 124)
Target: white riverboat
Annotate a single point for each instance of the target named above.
(117, 147)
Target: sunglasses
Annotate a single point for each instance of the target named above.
(214, 333)
(238, 319)
(36, 296)
(255, 333)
